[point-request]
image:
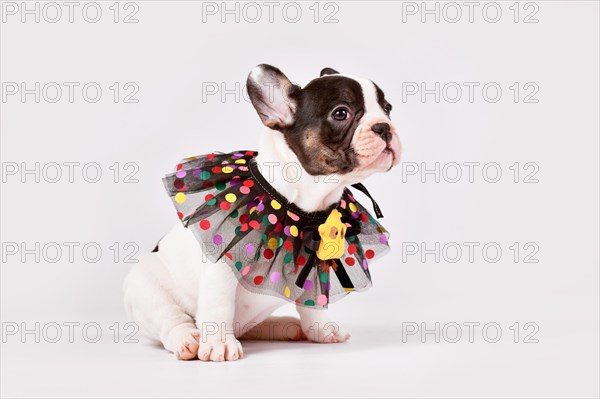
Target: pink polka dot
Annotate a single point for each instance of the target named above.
(249, 249)
(322, 300)
(275, 276)
(294, 217)
(244, 190)
(245, 270)
(272, 218)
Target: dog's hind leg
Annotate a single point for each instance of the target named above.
(276, 328)
(149, 304)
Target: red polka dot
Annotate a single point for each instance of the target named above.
(229, 256)
(258, 280)
(179, 166)
(364, 217)
(210, 156)
(301, 260)
(288, 245)
(278, 228)
(225, 205)
(216, 169)
(349, 261)
(179, 184)
(268, 253)
(369, 253)
(208, 197)
(248, 183)
(254, 224)
(249, 153)
(351, 249)
(204, 224)
(244, 218)
(180, 215)
(244, 227)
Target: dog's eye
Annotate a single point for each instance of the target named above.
(388, 108)
(340, 114)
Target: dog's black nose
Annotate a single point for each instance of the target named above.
(382, 129)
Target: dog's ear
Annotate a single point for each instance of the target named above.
(328, 71)
(272, 95)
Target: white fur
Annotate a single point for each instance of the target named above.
(286, 174)
(197, 308)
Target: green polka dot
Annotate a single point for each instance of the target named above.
(237, 230)
(205, 175)
(238, 265)
(265, 220)
(211, 201)
(351, 238)
(287, 258)
(264, 237)
(309, 302)
(372, 220)
(324, 277)
(220, 186)
(234, 214)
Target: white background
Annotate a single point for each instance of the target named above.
(171, 54)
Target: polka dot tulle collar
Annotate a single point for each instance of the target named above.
(272, 246)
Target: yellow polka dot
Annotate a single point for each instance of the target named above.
(293, 230)
(272, 243)
(240, 161)
(287, 292)
(230, 197)
(252, 210)
(275, 204)
(352, 206)
(180, 198)
(227, 169)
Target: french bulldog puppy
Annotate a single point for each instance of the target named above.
(338, 130)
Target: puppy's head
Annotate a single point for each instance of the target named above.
(336, 124)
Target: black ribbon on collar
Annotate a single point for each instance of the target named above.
(360, 187)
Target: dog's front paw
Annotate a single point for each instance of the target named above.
(326, 333)
(215, 349)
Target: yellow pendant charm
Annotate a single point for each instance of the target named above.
(333, 237)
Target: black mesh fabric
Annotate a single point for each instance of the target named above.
(271, 244)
